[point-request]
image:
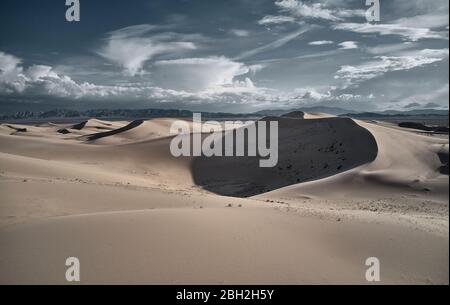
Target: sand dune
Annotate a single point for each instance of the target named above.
(405, 161)
(89, 127)
(318, 115)
(137, 131)
(133, 213)
(308, 150)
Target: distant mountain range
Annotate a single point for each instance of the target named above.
(396, 113)
(154, 113)
(322, 109)
(118, 113)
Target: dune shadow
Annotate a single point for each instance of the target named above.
(308, 150)
(443, 157)
(105, 134)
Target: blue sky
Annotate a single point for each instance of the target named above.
(223, 55)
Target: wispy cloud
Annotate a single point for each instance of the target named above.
(409, 33)
(320, 42)
(270, 19)
(432, 21)
(297, 10)
(275, 44)
(284, 53)
(197, 74)
(390, 48)
(353, 75)
(239, 32)
(427, 99)
(131, 47)
(348, 45)
(301, 9)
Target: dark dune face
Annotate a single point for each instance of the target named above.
(308, 150)
(443, 157)
(105, 134)
(63, 131)
(79, 126)
(17, 129)
(294, 115)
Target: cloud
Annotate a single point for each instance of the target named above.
(37, 72)
(349, 13)
(353, 75)
(435, 20)
(390, 48)
(198, 74)
(273, 45)
(42, 80)
(348, 45)
(409, 33)
(324, 96)
(214, 82)
(130, 48)
(421, 13)
(8, 62)
(179, 66)
(412, 105)
(11, 73)
(309, 93)
(334, 11)
(198, 81)
(433, 105)
(427, 99)
(239, 33)
(270, 19)
(320, 42)
(301, 9)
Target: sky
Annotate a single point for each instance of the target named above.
(223, 55)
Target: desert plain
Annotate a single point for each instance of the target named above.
(111, 194)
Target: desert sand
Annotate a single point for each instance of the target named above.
(111, 194)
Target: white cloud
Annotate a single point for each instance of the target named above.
(37, 72)
(349, 13)
(273, 45)
(348, 45)
(8, 62)
(198, 74)
(214, 84)
(426, 98)
(199, 81)
(239, 33)
(301, 9)
(309, 93)
(130, 49)
(410, 33)
(11, 77)
(320, 42)
(270, 19)
(324, 10)
(391, 48)
(435, 20)
(353, 75)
